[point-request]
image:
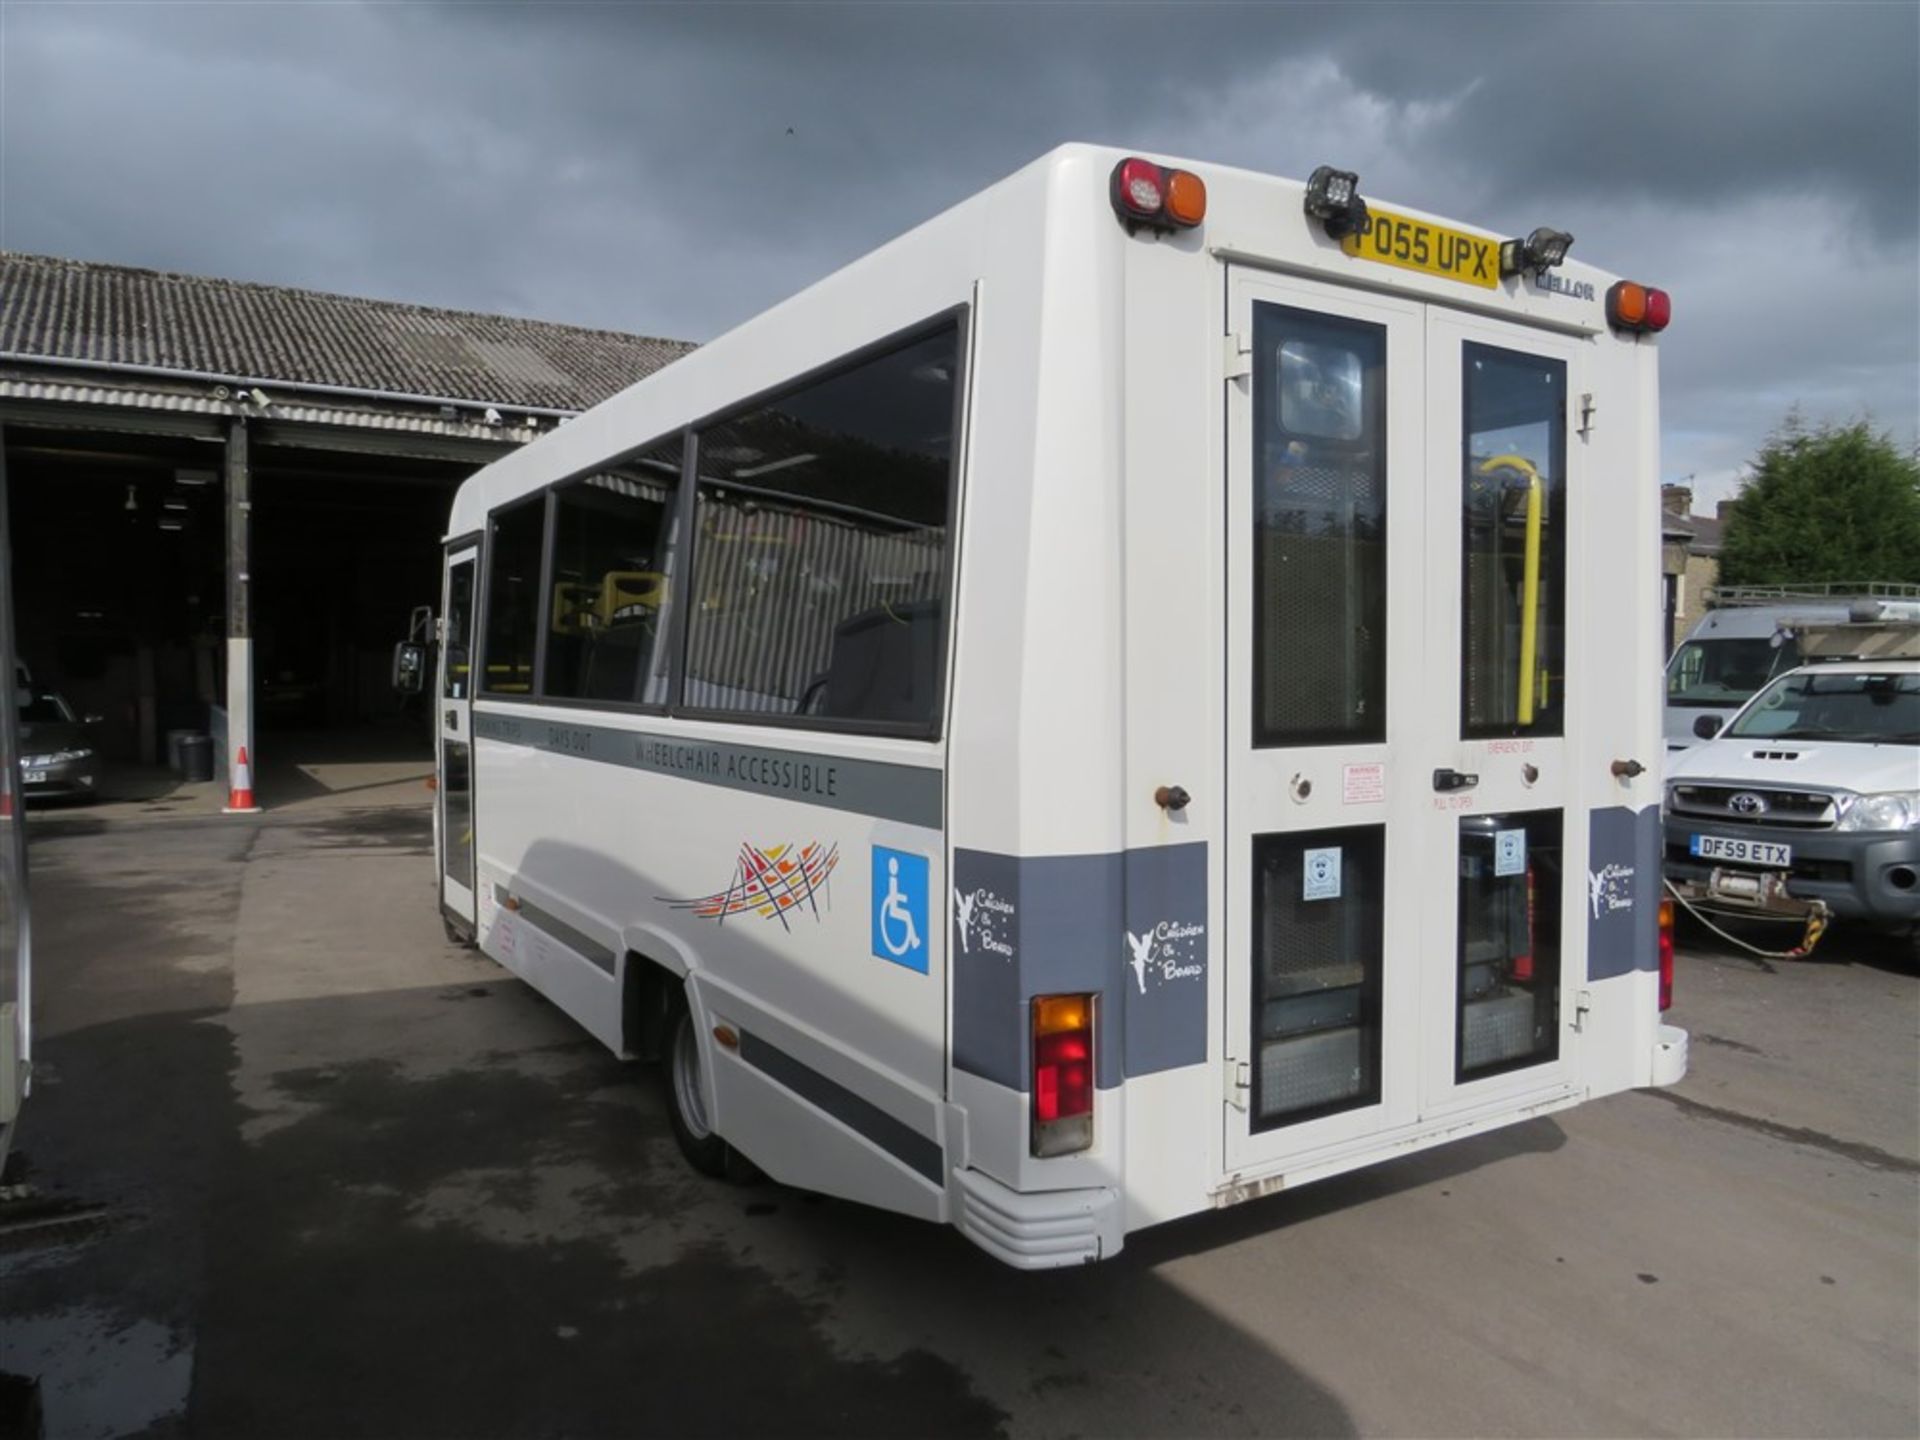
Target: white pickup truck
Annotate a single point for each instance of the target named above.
(1811, 793)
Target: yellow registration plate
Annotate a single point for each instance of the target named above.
(1432, 249)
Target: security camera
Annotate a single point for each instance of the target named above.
(492, 416)
(259, 397)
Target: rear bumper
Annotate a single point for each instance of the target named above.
(1862, 875)
(1670, 1054)
(1038, 1230)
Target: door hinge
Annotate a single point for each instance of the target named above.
(1587, 411)
(1582, 1006)
(1238, 1082)
(1236, 356)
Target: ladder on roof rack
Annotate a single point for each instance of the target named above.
(1833, 590)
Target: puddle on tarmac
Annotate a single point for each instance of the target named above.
(100, 1375)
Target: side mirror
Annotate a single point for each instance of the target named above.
(409, 667)
(1707, 726)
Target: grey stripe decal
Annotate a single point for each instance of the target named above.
(1130, 928)
(909, 794)
(1623, 891)
(589, 949)
(896, 1137)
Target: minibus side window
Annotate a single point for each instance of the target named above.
(820, 574)
(1514, 545)
(609, 581)
(513, 597)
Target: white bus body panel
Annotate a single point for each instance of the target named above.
(1089, 640)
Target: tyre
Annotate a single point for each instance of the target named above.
(687, 1105)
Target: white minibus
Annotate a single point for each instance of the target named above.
(1140, 693)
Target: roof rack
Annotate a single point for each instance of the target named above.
(1831, 590)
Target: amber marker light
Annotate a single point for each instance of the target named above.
(1186, 198)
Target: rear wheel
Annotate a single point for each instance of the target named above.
(687, 1105)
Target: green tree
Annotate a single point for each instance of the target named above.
(1836, 503)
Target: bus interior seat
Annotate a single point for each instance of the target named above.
(616, 660)
(884, 665)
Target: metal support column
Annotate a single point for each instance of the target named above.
(239, 625)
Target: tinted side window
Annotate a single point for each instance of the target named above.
(513, 597)
(611, 581)
(820, 565)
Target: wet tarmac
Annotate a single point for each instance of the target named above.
(305, 1168)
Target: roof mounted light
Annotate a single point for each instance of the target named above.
(1333, 198)
(1540, 251)
(1144, 193)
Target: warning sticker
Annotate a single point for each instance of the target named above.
(1363, 785)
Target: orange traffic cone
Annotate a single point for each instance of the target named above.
(240, 792)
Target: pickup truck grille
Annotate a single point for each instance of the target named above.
(1756, 805)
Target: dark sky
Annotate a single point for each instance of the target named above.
(629, 166)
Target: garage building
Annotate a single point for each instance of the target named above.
(227, 497)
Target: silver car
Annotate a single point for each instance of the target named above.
(57, 757)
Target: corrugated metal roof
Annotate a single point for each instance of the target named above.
(116, 315)
(296, 412)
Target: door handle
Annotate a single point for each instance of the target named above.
(1454, 780)
(453, 719)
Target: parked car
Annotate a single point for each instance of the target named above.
(57, 756)
(1812, 792)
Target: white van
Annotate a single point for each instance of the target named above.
(1137, 694)
(1751, 635)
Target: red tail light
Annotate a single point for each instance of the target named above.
(1639, 308)
(1666, 954)
(1062, 1074)
(1145, 194)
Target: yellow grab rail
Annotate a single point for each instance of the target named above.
(1530, 595)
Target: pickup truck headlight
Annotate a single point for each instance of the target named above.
(1894, 810)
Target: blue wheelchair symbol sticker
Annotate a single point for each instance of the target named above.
(900, 908)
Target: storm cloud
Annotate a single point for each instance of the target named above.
(673, 169)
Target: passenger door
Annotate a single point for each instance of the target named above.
(1504, 490)
(1398, 495)
(454, 729)
(1329, 742)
